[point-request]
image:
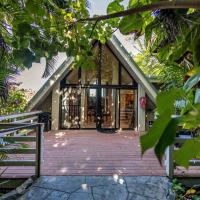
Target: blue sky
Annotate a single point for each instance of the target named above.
(31, 79)
(99, 6)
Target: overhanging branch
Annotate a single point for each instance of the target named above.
(175, 4)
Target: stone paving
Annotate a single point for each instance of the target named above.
(100, 188)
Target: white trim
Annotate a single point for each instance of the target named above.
(46, 88)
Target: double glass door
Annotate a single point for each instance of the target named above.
(101, 108)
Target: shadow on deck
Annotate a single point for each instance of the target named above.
(88, 152)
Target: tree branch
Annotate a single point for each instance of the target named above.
(93, 28)
(154, 6)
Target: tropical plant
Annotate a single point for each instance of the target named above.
(164, 129)
(15, 103)
(167, 74)
(183, 192)
(171, 36)
(31, 29)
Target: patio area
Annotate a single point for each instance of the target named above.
(92, 153)
(88, 152)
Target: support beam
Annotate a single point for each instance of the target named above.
(18, 151)
(141, 111)
(17, 163)
(19, 138)
(169, 162)
(55, 107)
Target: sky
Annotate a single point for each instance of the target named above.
(32, 78)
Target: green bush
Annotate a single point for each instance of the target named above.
(186, 193)
(15, 103)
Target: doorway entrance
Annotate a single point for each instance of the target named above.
(99, 108)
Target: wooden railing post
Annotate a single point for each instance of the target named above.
(169, 161)
(14, 120)
(39, 134)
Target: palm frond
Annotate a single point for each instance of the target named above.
(3, 91)
(50, 66)
(7, 78)
(88, 4)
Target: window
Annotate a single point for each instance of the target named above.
(89, 74)
(126, 79)
(109, 69)
(72, 78)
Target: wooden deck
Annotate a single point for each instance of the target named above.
(93, 153)
(87, 152)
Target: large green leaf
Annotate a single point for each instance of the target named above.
(158, 135)
(167, 138)
(191, 118)
(135, 3)
(35, 8)
(188, 151)
(25, 56)
(149, 30)
(165, 101)
(131, 23)
(115, 6)
(23, 28)
(154, 134)
(179, 50)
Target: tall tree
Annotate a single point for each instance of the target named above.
(31, 29)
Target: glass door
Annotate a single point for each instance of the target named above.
(88, 108)
(70, 110)
(127, 109)
(109, 108)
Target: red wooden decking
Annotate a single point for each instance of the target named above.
(92, 153)
(87, 152)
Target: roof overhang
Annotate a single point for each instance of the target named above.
(46, 89)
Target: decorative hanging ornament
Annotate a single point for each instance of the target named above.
(143, 102)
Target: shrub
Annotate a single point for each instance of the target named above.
(15, 103)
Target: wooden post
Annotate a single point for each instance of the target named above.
(169, 161)
(141, 111)
(16, 132)
(55, 107)
(39, 134)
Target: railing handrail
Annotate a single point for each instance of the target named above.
(36, 151)
(170, 164)
(17, 126)
(12, 116)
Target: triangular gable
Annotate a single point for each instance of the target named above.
(122, 55)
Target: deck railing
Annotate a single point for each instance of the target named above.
(12, 131)
(169, 161)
